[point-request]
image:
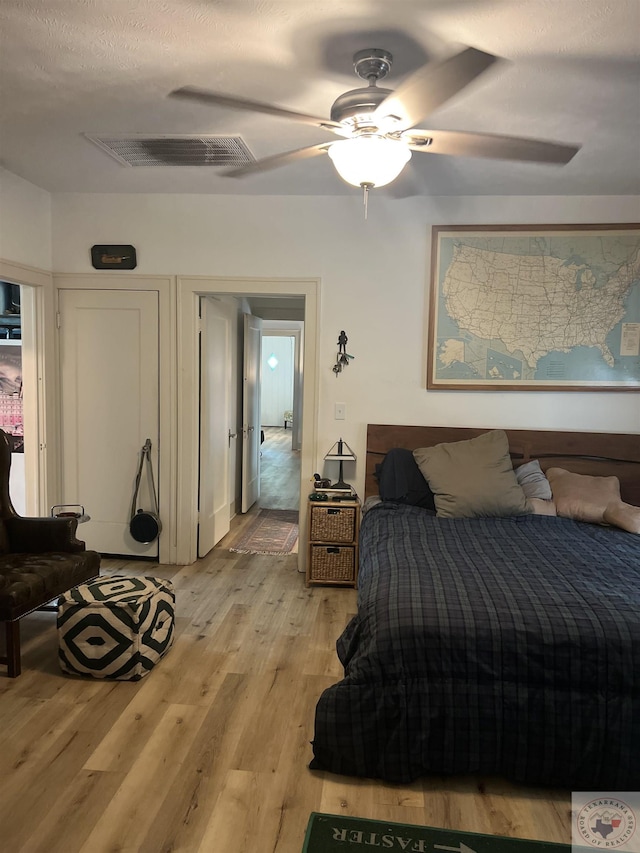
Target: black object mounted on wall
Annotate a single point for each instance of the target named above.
(113, 257)
(343, 357)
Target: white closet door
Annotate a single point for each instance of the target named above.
(109, 407)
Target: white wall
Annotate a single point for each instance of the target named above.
(374, 276)
(296, 328)
(25, 222)
(277, 382)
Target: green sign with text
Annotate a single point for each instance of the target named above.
(341, 834)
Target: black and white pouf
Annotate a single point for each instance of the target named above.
(116, 627)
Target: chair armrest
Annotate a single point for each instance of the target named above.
(41, 535)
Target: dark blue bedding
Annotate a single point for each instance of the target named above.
(505, 646)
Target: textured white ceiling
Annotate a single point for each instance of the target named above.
(70, 67)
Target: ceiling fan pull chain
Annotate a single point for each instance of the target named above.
(365, 200)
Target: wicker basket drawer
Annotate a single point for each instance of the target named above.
(331, 563)
(333, 524)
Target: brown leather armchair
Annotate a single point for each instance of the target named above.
(40, 558)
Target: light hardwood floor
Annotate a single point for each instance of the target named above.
(209, 753)
(279, 471)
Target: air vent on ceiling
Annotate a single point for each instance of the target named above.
(167, 150)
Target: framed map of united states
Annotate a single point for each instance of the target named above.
(517, 307)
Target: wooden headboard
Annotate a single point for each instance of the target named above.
(596, 453)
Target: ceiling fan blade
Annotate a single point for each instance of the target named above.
(462, 144)
(432, 85)
(203, 96)
(277, 160)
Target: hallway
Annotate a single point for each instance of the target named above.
(279, 483)
(279, 471)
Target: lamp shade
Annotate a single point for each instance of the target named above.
(341, 452)
(369, 160)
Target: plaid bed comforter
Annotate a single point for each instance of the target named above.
(505, 646)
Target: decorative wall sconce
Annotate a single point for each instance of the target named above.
(343, 356)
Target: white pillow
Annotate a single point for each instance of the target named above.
(541, 507)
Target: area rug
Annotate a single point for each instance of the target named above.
(328, 833)
(273, 531)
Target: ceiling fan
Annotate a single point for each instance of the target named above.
(378, 125)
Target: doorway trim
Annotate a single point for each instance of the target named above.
(189, 291)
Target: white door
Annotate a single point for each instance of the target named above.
(109, 406)
(251, 412)
(215, 421)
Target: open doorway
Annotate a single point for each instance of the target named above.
(11, 389)
(281, 383)
(27, 305)
(260, 296)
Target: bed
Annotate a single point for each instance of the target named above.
(505, 645)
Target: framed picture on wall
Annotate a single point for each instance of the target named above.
(540, 308)
(11, 415)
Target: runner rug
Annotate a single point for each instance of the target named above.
(328, 833)
(272, 531)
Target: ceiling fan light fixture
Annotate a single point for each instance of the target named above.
(369, 160)
(379, 126)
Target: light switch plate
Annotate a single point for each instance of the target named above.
(341, 411)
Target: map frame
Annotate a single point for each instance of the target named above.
(435, 338)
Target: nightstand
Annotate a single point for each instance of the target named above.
(333, 528)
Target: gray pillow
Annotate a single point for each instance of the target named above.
(533, 480)
(473, 478)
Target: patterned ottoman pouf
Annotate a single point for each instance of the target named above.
(116, 627)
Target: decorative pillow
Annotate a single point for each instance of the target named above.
(533, 481)
(541, 507)
(473, 478)
(400, 480)
(581, 496)
(623, 515)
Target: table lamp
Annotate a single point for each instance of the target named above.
(341, 452)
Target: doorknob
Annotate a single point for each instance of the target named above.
(232, 435)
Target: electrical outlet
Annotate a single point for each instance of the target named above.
(341, 411)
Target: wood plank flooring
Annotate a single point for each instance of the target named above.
(279, 471)
(209, 753)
